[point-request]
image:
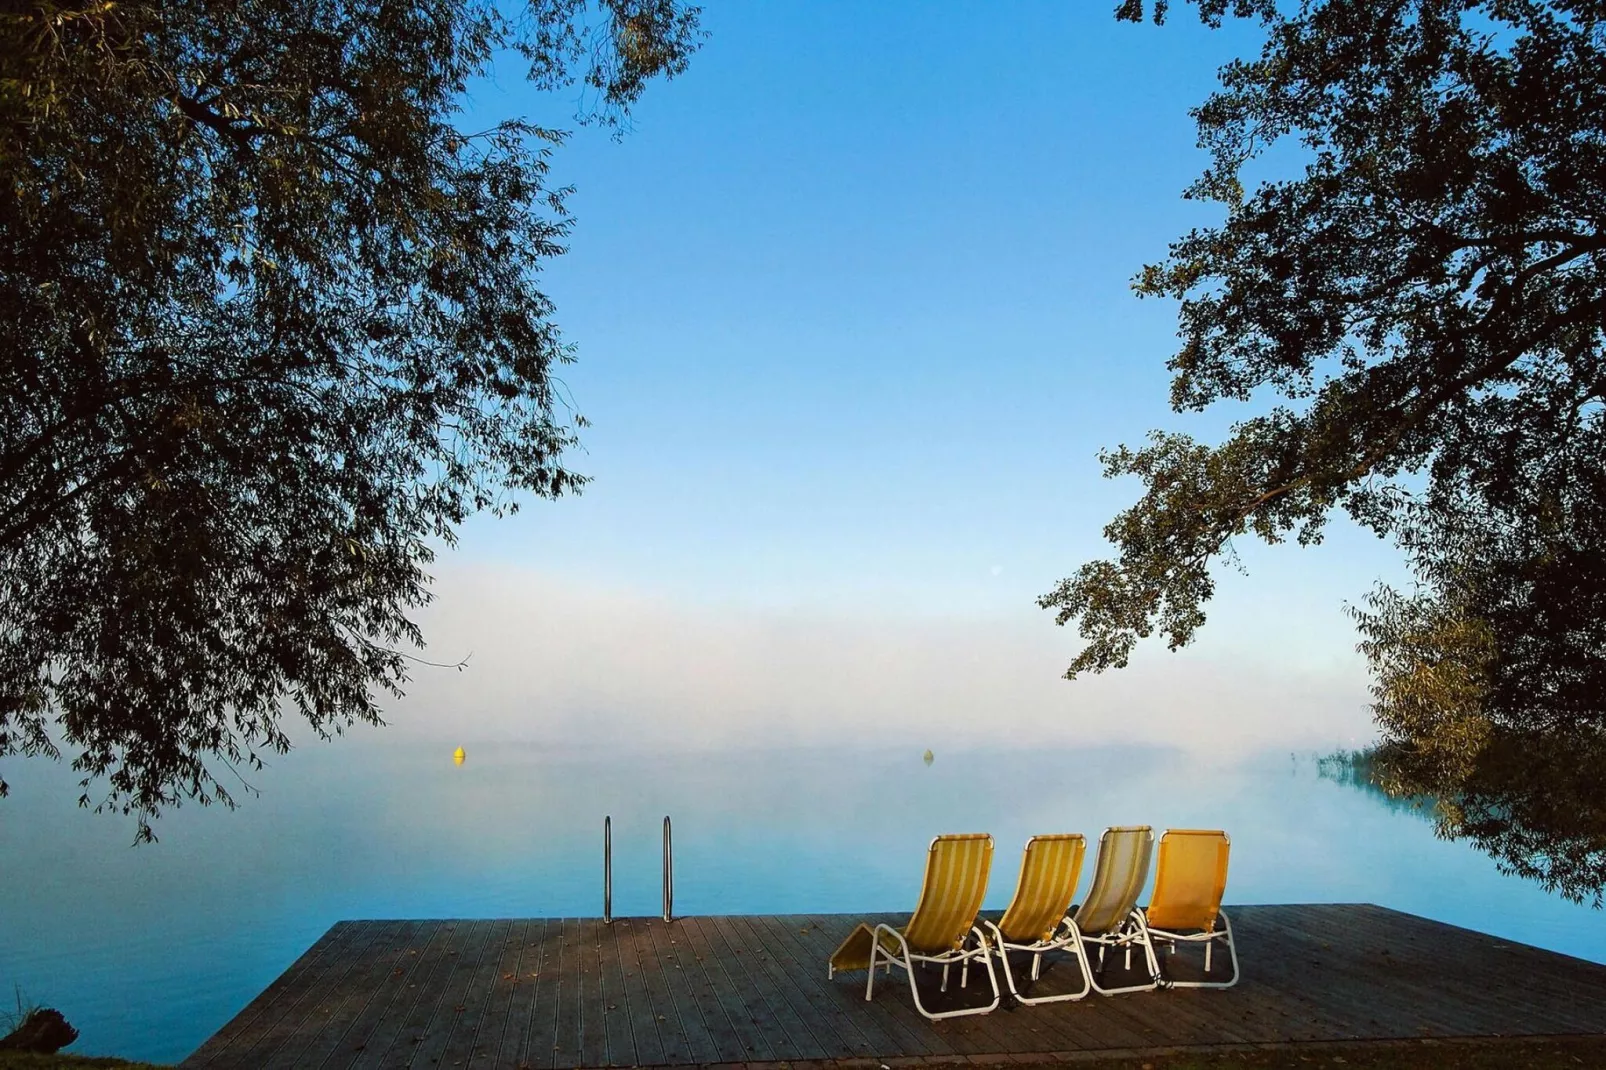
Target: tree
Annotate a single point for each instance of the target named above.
(269, 325)
(1425, 301)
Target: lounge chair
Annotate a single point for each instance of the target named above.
(942, 930)
(1188, 884)
(1035, 922)
(1109, 918)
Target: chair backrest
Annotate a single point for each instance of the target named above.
(1049, 869)
(1190, 880)
(1118, 878)
(956, 882)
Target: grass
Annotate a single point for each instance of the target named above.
(22, 1060)
(1551, 1053)
(27, 1060)
(1525, 1053)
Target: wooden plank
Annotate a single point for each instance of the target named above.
(241, 1032)
(885, 1025)
(452, 1035)
(1560, 989)
(526, 997)
(723, 1029)
(312, 1005)
(566, 1012)
(971, 1034)
(842, 1034)
(1190, 1017)
(890, 1022)
(436, 1016)
(1424, 989)
(1309, 1001)
(1095, 1021)
(495, 991)
(785, 1029)
(615, 1001)
(967, 1035)
(345, 1002)
(319, 1000)
(837, 1036)
(642, 1020)
(1052, 1026)
(448, 1005)
(701, 1045)
(746, 1012)
(1341, 973)
(1284, 995)
(389, 990)
(645, 954)
(559, 993)
(1463, 993)
(1298, 1003)
(593, 1009)
(406, 1017)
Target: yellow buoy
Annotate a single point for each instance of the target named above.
(458, 756)
(929, 757)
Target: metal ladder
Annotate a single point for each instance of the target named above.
(607, 871)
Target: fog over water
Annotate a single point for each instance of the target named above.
(564, 663)
(150, 949)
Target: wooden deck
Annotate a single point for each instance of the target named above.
(558, 993)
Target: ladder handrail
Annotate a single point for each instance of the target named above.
(607, 870)
(669, 872)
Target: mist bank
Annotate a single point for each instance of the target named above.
(570, 664)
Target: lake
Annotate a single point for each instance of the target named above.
(150, 949)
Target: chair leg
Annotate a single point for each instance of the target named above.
(1003, 957)
(1071, 944)
(1224, 934)
(1133, 931)
(869, 982)
(1232, 947)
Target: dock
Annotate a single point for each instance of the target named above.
(560, 993)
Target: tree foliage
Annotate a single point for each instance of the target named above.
(269, 325)
(1425, 301)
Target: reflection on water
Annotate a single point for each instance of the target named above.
(148, 950)
(1357, 770)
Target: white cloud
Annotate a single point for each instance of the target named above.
(575, 666)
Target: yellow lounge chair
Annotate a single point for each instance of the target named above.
(940, 930)
(1109, 917)
(1188, 885)
(1036, 919)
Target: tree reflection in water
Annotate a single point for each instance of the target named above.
(1534, 802)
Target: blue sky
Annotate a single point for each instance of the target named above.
(853, 314)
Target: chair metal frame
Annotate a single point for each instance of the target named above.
(1132, 933)
(1128, 933)
(1063, 937)
(961, 956)
(971, 948)
(1208, 937)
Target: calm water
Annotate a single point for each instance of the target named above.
(148, 950)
